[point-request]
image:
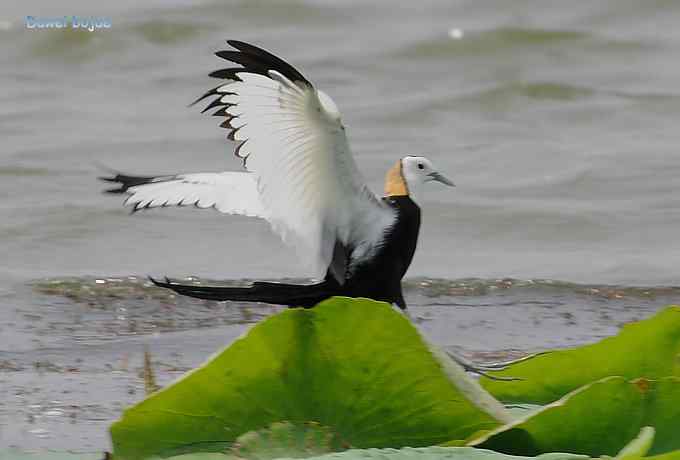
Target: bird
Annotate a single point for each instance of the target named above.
(301, 177)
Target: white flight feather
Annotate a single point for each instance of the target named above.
(308, 183)
(228, 192)
(302, 179)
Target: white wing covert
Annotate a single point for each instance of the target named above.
(290, 136)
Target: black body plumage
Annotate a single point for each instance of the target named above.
(377, 278)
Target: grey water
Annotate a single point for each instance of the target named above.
(558, 121)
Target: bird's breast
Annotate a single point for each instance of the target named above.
(388, 262)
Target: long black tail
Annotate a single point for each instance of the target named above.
(293, 295)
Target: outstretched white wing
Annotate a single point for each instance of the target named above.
(291, 137)
(228, 192)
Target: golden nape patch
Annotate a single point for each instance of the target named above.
(395, 184)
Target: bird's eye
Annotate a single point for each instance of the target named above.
(421, 166)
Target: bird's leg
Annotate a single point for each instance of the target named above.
(405, 312)
(469, 366)
(481, 369)
(502, 365)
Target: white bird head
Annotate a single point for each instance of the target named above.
(409, 175)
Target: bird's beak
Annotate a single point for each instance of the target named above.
(441, 178)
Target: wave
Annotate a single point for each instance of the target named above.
(533, 90)
(14, 171)
(504, 39)
(161, 32)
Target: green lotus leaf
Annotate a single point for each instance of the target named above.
(285, 439)
(355, 366)
(598, 419)
(648, 348)
(675, 455)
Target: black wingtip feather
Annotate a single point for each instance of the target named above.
(227, 74)
(124, 182)
(222, 112)
(252, 59)
(236, 43)
(232, 134)
(237, 151)
(269, 60)
(210, 92)
(255, 60)
(216, 103)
